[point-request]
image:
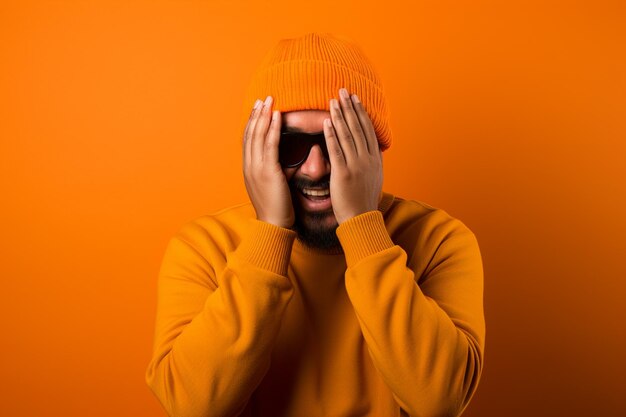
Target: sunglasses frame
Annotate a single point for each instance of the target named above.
(311, 139)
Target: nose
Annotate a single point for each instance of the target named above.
(316, 165)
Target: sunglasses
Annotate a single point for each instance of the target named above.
(294, 147)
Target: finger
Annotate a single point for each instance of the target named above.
(335, 153)
(247, 142)
(252, 112)
(342, 131)
(260, 131)
(366, 123)
(273, 139)
(354, 124)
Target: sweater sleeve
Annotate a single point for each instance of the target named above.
(216, 324)
(426, 340)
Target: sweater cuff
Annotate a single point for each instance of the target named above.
(363, 235)
(267, 246)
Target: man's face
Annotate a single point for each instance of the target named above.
(310, 184)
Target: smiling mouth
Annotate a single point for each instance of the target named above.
(315, 199)
(316, 194)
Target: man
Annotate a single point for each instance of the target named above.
(324, 296)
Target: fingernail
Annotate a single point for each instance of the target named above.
(257, 103)
(334, 103)
(268, 100)
(343, 93)
(355, 98)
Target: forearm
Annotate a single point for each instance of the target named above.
(209, 361)
(429, 364)
(428, 348)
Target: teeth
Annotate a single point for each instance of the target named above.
(316, 193)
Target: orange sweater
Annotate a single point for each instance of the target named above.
(251, 322)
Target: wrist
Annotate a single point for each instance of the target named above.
(267, 246)
(285, 224)
(353, 213)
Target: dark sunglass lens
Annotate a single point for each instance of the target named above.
(294, 147)
(292, 150)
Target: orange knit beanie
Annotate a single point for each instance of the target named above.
(305, 73)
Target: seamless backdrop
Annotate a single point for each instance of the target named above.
(119, 123)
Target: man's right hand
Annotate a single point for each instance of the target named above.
(264, 178)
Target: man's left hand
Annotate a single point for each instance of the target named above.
(355, 158)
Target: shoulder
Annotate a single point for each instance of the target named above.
(220, 230)
(405, 214)
(426, 231)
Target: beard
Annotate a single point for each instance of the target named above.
(314, 228)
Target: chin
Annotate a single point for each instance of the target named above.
(317, 229)
(322, 219)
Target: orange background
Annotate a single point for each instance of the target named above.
(118, 123)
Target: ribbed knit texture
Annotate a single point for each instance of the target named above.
(305, 73)
(398, 332)
(274, 257)
(363, 235)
